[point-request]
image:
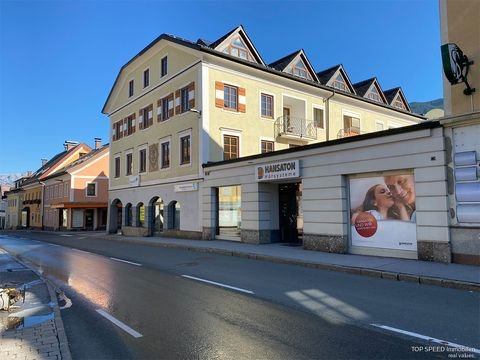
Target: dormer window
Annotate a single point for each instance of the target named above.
(339, 83)
(238, 49)
(374, 95)
(300, 70)
(398, 103)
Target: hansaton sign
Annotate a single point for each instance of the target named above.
(278, 171)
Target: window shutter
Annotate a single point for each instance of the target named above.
(140, 119)
(242, 100)
(133, 123)
(170, 105)
(159, 110)
(125, 126)
(219, 102)
(114, 137)
(150, 115)
(177, 102)
(120, 124)
(191, 95)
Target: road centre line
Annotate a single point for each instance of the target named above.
(83, 251)
(120, 324)
(428, 338)
(126, 261)
(218, 284)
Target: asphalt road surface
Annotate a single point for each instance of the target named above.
(135, 301)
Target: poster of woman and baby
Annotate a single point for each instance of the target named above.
(383, 211)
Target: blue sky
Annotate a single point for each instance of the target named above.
(59, 59)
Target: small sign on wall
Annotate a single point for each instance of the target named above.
(278, 171)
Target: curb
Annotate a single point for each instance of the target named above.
(61, 334)
(387, 275)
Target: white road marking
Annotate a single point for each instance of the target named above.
(120, 324)
(126, 261)
(83, 251)
(55, 245)
(218, 284)
(428, 338)
(66, 235)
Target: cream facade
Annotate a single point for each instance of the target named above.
(180, 104)
(459, 25)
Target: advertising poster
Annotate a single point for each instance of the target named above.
(383, 212)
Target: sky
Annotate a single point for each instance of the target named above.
(59, 59)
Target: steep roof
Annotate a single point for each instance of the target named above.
(52, 163)
(390, 94)
(202, 45)
(81, 160)
(282, 63)
(325, 75)
(362, 87)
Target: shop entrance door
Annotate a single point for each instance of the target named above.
(89, 213)
(289, 198)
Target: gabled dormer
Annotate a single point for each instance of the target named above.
(396, 98)
(296, 64)
(337, 78)
(370, 89)
(236, 43)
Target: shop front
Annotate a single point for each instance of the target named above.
(381, 194)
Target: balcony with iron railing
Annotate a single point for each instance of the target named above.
(352, 131)
(295, 128)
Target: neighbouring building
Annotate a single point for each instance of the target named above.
(179, 104)
(76, 196)
(3, 205)
(459, 25)
(33, 188)
(15, 203)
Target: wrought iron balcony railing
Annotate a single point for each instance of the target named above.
(342, 133)
(290, 126)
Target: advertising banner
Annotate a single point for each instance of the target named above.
(383, 212)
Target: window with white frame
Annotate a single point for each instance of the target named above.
(91, 189)
(164, 66)
(318, 118)
(142, 160)
(267, 106)
(185, 149)
(129, 164)
(165, 154)
(117, 167)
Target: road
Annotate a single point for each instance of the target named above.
(248, 310)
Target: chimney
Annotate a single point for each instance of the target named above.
(98, 143)
(69, 144)
(44, 161)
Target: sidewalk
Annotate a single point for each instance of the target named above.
(456, 276)
(32, 329)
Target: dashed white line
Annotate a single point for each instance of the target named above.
(56, 245)
(120, 324)
(428, 338)
(66, 235)
(218, 284)
(82, 251)
(126, 261)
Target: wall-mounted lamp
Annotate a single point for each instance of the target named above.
(198, 112)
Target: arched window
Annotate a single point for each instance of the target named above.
(140, 214)
(128, 215)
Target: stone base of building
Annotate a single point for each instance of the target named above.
(326, 243)
(257, 237)
(465, 245)
(434, 251)
(134, 231)
(182, 234)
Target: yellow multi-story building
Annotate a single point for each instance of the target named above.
(179, 104)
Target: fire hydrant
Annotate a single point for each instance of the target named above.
(10, 296)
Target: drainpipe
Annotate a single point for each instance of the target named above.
(327, 122)
(42, 199)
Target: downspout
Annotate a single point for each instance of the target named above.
(327, 122)
(42, 200)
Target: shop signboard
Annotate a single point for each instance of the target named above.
(382, 210)
(278, 171)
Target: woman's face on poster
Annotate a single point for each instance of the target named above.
(383, 197)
